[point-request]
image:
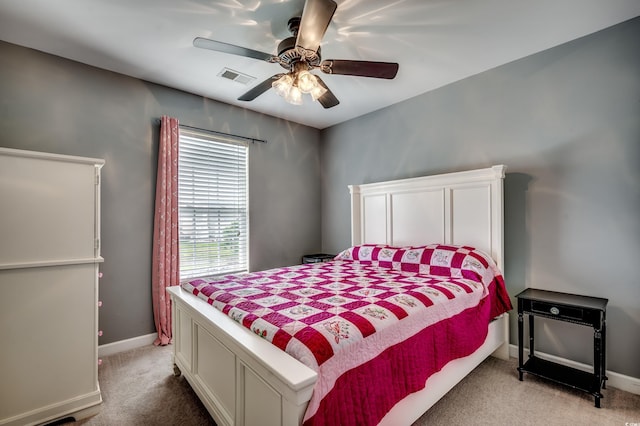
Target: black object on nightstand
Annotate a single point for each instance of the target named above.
(317, 258)
(583, 310)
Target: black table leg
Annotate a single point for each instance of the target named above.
(604, 351)
(597, 364)
(520, 349)
(531, 345)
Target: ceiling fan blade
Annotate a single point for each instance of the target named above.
(386, 70)
(219, 46)
(328, 100)
(316, 17)
(260, 88)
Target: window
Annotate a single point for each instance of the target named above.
(212, 202)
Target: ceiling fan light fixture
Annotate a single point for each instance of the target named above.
(291, 86)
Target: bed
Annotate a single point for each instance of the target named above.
(244, 372)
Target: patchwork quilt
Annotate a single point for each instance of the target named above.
(375, 322)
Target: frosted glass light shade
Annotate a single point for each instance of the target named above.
(294, 96)
(282, 85)
(306, 81)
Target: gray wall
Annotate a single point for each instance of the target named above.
(566, 122)
(55, 105)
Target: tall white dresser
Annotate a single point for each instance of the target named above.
(49, 259)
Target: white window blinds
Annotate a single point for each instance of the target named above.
(212, 201)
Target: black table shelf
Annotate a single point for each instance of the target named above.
(562, 374)
(577, 309)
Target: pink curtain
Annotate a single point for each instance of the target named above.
(165, 271)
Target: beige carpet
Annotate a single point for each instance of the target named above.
(492, 395)
(138, 388)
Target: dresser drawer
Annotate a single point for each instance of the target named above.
(577, 314)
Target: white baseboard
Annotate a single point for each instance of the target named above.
(616, 380)
(127, 344)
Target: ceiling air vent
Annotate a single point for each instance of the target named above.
(236, 76)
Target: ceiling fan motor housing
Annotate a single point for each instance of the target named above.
(288, 54)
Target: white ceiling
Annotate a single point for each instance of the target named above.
(436, 42)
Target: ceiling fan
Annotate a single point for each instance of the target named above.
(299, 55)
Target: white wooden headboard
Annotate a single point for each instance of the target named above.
(453, 208)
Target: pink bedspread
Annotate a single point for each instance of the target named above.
(375, 323)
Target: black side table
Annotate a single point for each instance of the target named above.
(317, 258)
(583, 310)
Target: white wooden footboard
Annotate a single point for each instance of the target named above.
(241, 379)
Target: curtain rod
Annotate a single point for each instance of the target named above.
(252, 140)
